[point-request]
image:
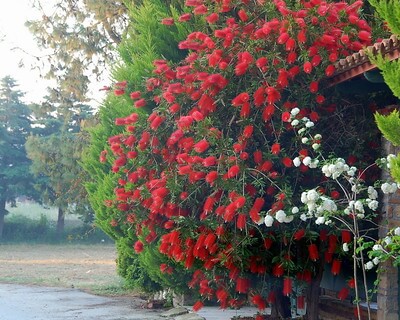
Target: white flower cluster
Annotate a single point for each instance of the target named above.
(334, 170)
(372, 203)
(317, 206)
(281, 217)
(307, 161)
(386, 161)
(389, 187)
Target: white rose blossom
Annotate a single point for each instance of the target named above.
(268, 220)
(397, 231)
(369, 265)
(296, 162)
(345, 247)
(280, 215)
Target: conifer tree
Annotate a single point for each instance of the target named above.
(15, 126)
(145, 41)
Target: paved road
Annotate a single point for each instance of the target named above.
(19, 302)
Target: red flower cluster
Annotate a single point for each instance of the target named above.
(201, 171)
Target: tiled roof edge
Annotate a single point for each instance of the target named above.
(358, 62)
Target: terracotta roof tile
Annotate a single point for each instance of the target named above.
(358, 62)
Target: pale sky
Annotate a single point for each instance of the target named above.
(12, 18)
(13, 15)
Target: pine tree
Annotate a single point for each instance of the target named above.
(15, 126)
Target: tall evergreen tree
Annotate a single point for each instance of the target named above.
(146, 40)
(55, 150)
(15, 126)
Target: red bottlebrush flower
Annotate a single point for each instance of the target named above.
(307, 67)
(276, 148)
(241, 221)
(163, 267)
(301, 36)
(197, 306)
(199, 10)
(332, 243)
(320, 99)
(261, 62)
(346, 236)
(211, 177)
(351, 283)
(299, 234)
(157, 121)
(283, 38)
(314, 116)
(364, 35)
(201, 146)
(266, 166)
(345, 39)
(330, 70)
(287, 162)
(316, 60)
(233, 171)
(209, 161)
(291, 57)
(140, 103)
(259, 302)
(245, 111)
(300, 302)
(241, 68)
(135, 95)
(248, 131)
(138, 246)
(314, 86)
(243, 15)
(268, 112)
(336, 265)
(278, 270)
(210, 240)
(185, 17)
(335, 195)
(286, 116)
(328, 39)
(240, 99)
(273, 95)
(119, 92)
(290, 44)
(333, 57)
(197, 116)
(268, 243)
(343, 293)
(168, 21)
(174, 108)
(313, 252)
(287, 286)
(242, 285)
(240, 202)
(323, 235)
(212, 18)
(257, 156)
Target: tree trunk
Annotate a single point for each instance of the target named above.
(313, 293)
(2, 215)
(281, 308)
(60, 222)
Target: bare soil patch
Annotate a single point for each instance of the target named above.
(87, 267)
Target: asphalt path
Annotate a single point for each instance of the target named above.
(19, 302)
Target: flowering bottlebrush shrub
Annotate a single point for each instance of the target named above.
(221, 176)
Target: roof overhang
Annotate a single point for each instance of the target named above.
(358, 63)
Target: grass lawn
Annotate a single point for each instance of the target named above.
(87, 267)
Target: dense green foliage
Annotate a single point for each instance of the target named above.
(146, 40)
(15, 126)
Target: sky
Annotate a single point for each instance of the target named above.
(15, 35)
(19, 48)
